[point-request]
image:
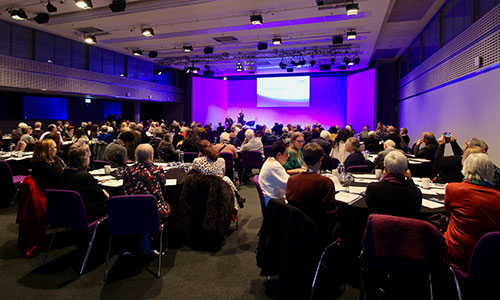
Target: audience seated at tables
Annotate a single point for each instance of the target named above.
(389, 146)
(225, 147)
(295, 163)
(372, 145)
(104, 136)
(166, 150)
(44, 164)
(52, 128)
(268, 138)
(430, 148)
(355, 158)
(392, 134)
(404, 135)
(312, 193)
(380, 131)
(76, 178)
(324, 141)
(17, 133)
(116, 152)
(190, 144)
(338, 145)
(144, 177)
(68, 134)
(56, 137)
(395, 194)
(37, 130)
(251, 143)
(80, 135)
(363, 135)
(273, 177)
(26, 137)
(477, 142)
(94, 131)
(449, 167)
(209, 163)
(473, 207)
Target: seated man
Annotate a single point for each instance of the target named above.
(268, 138)
(394, 136)
(395, 194)
(116, 152)
(104, 135)
(389, 146)
(449, 167)
(324, 141)
(430, 148)
(273, 177)
(251, 143)
(312, 193)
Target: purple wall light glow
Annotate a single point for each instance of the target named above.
(361, 100)
(209, 100)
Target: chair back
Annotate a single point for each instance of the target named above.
(334, 162)
(133, 214)
(190, 156)
(5, 173)
(268, 151)
(484, 263)
(66, 209)
(99, 164)
(228, 158)
(6, 184)
(211, 135)
(251, 159)
(402, 244)
(261, 194)
(358, 169)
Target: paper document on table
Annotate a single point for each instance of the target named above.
(427, 192)
(363, 180)
(346, 197)
(431, 204)
(357, 189)
(169, 182)
(438, 191)
(113, 183)
(103, 178)
(365, 176)
(420, 159)
(336, 182)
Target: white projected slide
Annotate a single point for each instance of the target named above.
(290, 91)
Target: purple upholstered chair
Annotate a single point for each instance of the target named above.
(334, 162)
(99, 164)
(400, 245)
(228, 158)
(190, 156)
(250, 160)
(261, 195)
(134, 215)
(8, 183)
(358, 169)
(484, 264)
(268, 151)
(66, 209)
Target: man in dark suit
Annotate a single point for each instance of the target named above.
(394, 136)
(430, 148)
(268, 138)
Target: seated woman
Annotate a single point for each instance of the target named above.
(355, 157)
(210, 163)
(45, 165)
(26, 137)
(225, 146)
(473, 207)
(273, 177)
(76, 178)
(338, 145)
(295, 163)
(146, 178)
(191, 141)
(395, 194)
(166, 150)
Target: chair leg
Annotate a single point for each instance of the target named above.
(457, 286)
(89, 248)
(160, 251)
(430, 286)
(50, 245)
(107, 259)
(166, 238)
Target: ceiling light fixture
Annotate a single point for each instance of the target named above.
(18, 14)
(137, 52)
(312, 63)
(346, 60)
(118, 5)
(153, 54)
(351, 35)
(282, 65)
(195, 70)
(50, 7)
(256, 19)
(239, 67)
(84, 4)
(276, 41)
(42, 18)
(90, 39)
(262, 46)
(356, 61)
(208, 50)
(332, 61)
(337, 39)
(147, 31)
(188, 48)
(352, 9)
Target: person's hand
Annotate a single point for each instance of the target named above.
(441, 140)
(452, 138)
(105, 194)
(420, 141)
(408, 174)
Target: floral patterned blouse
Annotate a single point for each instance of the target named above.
(147, 178)
(209, 167)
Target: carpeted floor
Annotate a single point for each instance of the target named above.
(229, 274)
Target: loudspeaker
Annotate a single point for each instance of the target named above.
(118, 5)
(42, 18)
(337, 39)
(289, 70)
(153, 54)
(325, 67)
(262, 46)
(208, 50)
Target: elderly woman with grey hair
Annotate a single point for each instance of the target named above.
(146, 178)
(225, 146)
(473, 207)
(355, 157)
(395, 194)
(76, 178)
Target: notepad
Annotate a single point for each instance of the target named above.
(103, 178)
(365, 176)
(431, 204)
(170, 182)
(363, 180)
(347, 197)
(357, 189)
(113, 183)
(427, 192)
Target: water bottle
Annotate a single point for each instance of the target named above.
(341, 169)
(12, 147)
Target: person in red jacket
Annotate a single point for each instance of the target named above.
(473, 207)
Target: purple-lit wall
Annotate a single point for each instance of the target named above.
(361, 100)
(209, 100)
(327, 103)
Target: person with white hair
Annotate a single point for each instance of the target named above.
(268, 138)
(324, 141)
(395, 194)
(251, 143)
(144, 177)
(225, 147)
(389, 146)
(473, 207)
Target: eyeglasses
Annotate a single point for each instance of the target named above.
(300, 141)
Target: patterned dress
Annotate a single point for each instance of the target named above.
(147, 178)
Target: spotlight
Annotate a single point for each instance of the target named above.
(42, 18)
(187, 70)
(159, 72)
(351, 35)
(137, 52)
(18, 14)
(325, 67)
(346, 60)
(302, 62)
(239, 67)
(195, 70)
(276, 41)
(118, 5)
(50, 7)
(312, 63)
(90, 39)
(332, 60)
(262, 46)
(342, 67)
(293, 62)
(153, 54)
(282, 65)
(256, 19)
(352, 9)
(356, 61)
(208, 50)
(83, 4)
(350, 63)
(337, 39)
(208, 73)
(188, 48)
(148, 31)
